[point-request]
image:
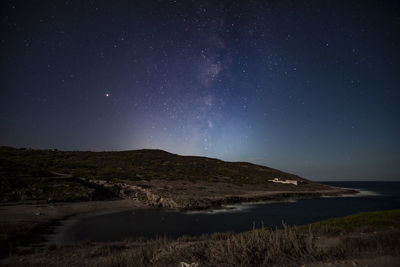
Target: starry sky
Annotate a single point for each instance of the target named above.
(309, 87)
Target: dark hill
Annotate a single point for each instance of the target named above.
(139, 165)
(153, 177)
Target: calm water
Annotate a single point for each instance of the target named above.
(157, 222)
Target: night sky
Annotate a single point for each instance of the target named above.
(309, 87)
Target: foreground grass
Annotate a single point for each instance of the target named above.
(363, 221)
(290, 246)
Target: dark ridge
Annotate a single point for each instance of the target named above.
(144, 164)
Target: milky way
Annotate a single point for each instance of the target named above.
(310, 87)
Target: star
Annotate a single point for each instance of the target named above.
(183, 69)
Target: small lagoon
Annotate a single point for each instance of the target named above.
(150, 223)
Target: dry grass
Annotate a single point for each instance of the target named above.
(289, 246)
(261, 247)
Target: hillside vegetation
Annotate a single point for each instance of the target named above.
(154, 177)
(137, 165)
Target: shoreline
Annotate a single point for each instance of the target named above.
(24, 225)
(268, 197)
(33, 224)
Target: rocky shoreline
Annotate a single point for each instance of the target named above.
(149, 196)
(206, 204)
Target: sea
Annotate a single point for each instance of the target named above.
(152, 223)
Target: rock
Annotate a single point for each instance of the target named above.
(184, 264)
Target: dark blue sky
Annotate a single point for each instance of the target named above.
(310, 87)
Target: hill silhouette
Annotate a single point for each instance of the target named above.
(154, 177)
(143, 164)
